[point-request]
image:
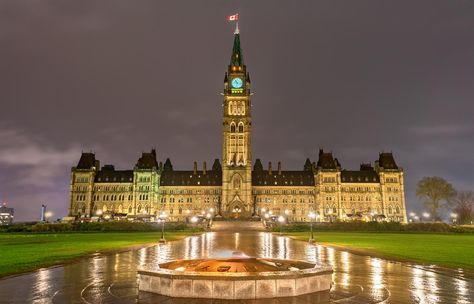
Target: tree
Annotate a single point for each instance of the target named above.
(434, 191)
(463, 206)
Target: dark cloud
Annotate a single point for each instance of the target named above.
(121, 77)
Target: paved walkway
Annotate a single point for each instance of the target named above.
(237, 226)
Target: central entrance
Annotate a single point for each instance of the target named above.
(236, 212)
(237, 209)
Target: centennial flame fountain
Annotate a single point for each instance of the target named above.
(234, 278)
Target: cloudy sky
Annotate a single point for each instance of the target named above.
(121, 77)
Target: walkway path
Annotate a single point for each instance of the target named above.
(237, 226)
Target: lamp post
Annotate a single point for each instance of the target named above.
(208, 217)
(454, 218)
(163, 219)
(47, 215)
(312, 216)
(281, 220)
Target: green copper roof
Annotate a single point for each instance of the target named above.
(237, 59)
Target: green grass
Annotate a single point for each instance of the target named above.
(22, 252)
(449, 250)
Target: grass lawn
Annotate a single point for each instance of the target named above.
(450, 250)
(22, 252)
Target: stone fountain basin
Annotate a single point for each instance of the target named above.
(234, 278)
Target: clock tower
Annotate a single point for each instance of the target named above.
(237, 129)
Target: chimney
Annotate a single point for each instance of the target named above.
(204, 169)
(279, 168)
(269, 167)
(195, 168)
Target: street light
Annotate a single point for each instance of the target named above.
(330, 215)
(281, 219)
(163, 219)
(426, 215)
(454, 217)
(312, 216)
(47, 215)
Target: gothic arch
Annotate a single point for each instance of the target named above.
(236, 181)
(241, 127)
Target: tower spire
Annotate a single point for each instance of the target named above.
(237, 59)
(237, 28)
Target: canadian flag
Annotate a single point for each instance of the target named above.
(233, 17)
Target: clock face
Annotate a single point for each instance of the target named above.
(237, 83)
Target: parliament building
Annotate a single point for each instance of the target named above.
(235, 186)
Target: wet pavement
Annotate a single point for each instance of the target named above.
(357, 279)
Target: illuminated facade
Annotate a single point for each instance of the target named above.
(235, 188)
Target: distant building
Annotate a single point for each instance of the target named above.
(236, 186)
(6, 215)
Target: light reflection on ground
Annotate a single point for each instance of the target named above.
(357, 279)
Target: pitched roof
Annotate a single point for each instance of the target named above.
(327, 161)
(285, 178)
(168, 166)
(87, 161)
(216, 166)
(387, 161)
(147, 160)
(188, 178)
(109, 175)
(364, 176)
(258, 165)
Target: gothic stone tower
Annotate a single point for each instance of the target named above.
(236, 149)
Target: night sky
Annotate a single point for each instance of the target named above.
(121, 77)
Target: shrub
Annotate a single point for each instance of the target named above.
(124, 226)
(376, 227)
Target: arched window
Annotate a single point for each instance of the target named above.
(232, 127)
(147, 209)
(139, 209)
(236, 182)
(130, 209)
(389, 210)
(241, 128)
(397, 209)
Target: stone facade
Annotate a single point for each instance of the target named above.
(235, 189)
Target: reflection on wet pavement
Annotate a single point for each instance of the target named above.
(357, 279)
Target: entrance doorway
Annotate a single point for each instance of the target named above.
(236, 212)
